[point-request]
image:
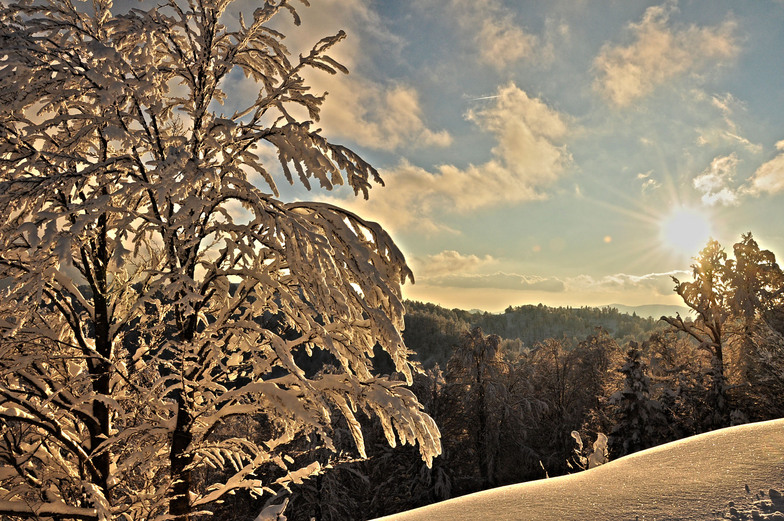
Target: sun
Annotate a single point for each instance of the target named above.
(685, 230)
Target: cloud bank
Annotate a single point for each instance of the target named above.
(449, 262)
(452, 269)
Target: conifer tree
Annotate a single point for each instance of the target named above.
(639, 418)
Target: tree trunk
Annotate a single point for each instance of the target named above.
(719, 390)
(180, 459)
(481, 438)
(101, 368)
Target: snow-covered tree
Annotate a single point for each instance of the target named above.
(154, 289)
(487, 408)
(475, 372)
(708, 296)
(639, 419)
(738, 304)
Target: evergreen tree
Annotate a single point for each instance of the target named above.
(638, 418)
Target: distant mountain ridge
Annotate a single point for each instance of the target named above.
(432, 331)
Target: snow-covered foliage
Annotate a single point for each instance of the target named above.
(588, 458)
(737, 303)
(639, 417)
(151, 296)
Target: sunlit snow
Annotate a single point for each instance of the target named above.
(691, 479)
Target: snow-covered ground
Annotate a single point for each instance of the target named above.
(735, 473)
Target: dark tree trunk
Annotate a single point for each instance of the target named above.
(180, 459)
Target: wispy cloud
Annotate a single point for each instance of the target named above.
(498, 40)
(724, 130)
(655, 283)
(649, 184)
(660, 53)
(500, 280)
(769, 178)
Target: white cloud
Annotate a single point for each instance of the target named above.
(500, 280)
(769, 178)
(379, 115)
(528, 158)
(659, 54)
(449, 262)
(716, 182)
(499, 42)
(655, 283)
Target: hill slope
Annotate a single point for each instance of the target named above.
(690, 479)
(432, 331)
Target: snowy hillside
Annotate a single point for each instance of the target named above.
(735, 473)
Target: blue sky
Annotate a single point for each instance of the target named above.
(533, 151)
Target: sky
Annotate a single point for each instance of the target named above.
(696, 478)
(565, 152)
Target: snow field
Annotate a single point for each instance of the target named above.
(735, 473)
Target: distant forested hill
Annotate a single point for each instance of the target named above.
(432, 331)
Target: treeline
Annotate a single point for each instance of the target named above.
(432, 331)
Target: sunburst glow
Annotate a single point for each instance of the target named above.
(685, 230)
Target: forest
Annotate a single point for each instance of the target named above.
(178, 342)
(511, 411)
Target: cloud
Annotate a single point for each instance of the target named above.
(528, 158)
(769, 178)
(654, 283)
(499, 42)
(452, 269)
(726, 131)
(379, 115)
(383, 117)
(502, 43)
(449, 262)
(716, 182)
(500, 280)
(649, 184)
(659, 54)
(659, 284)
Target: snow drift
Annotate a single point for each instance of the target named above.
(734, 473)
